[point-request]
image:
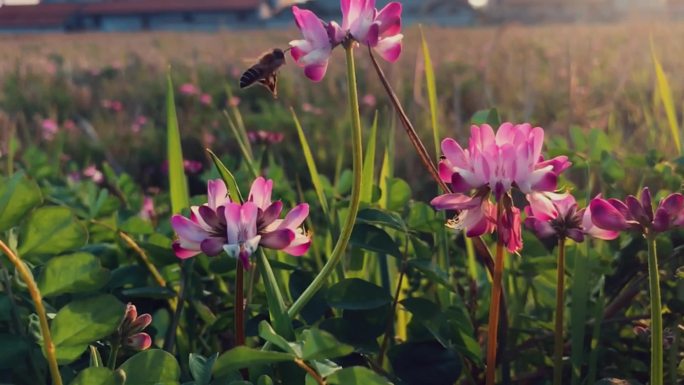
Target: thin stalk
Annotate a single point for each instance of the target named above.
(111, 362)
(560, 302)
(494, 306)
(186, 271)
(656, 314)
(357, 161)
(239, 305)
(49, 346)
(319, 380)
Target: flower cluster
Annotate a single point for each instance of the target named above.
(361, 22)
(131, 329)
(494, 164)
(239, 229)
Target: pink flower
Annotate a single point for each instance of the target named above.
(233, 101)
(94, 174)
(206, 99)
(241, 231)
(205, 230)
(378, 29)
(635, 214)
(495, 163)
(192, 166)
(265, 137)
(314, 50)
(557, 215)
(279, 234)
(49, 128)
(147, 210)
(131, 329)
(369, 100)
(188, 89)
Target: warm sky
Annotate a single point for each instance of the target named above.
(16, 2)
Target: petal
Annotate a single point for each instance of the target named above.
(576, 235)
(212, 246)
(248, 220)
(278, 239)
(299, 48)
(139, 341)
(389, 48)
(311, 26)
(646, 203)
(455, 201)
(541, 228)
(542, 206)
(187, 229)
(140, 323)
(445, 170)
(636, 211)
(545, 180)
(295, 217)
(558, 164)
(209, 216)
(232, 214)
(389, 19)
(217, 193)
(299, 246)
(455, 153)
(182, 252)
(316, 72)
(260, 192)
(605, 216)
(270, 214)
(459, 184)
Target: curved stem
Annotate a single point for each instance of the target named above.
(494, 308)
(357, 160)
(111, 362)
(560, 302)
(656, 314)
(319, 380)
(49, 346)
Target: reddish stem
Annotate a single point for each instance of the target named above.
(240, 310)
(494, 307)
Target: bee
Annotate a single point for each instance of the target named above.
(264, 71)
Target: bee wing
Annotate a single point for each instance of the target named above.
(271, 84)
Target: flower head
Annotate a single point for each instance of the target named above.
(131, 329)
(49, 128)
(265, 137)
(637, 214)
(188, 89)
(314, 50)
(557, 215)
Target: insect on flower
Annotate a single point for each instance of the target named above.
(264, 72)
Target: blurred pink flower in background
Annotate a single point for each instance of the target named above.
(49, 129)
(233, 101)
(94, 174)
(205, 99)
(265, 137)
(369, 100)
(188, 89)
(147, 210)
(69, 125)
(112, 105)
(138, 124)
(208, 138)
(308, 107)
(192, 166)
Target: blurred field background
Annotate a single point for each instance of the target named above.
(557, 76)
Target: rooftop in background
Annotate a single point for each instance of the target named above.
(167, 6)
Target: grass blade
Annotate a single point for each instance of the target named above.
(243, 147)
(665, 94)
(311, 164)
(227, 177)
(431, 90)
(368, 172)
(178, 184)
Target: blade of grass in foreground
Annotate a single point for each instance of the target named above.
(227, 177)
(665, 93)
(178, 184)
(311, 164)
(368, 173)
(431, 90)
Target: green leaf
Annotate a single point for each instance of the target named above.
(227, 177)
(431, 90)
(399, 194)
(489, 116)
(419, 363)
(95, 376)
(368, 169)
(243, 356)
(137, 225)
(95, 358)
(267, 333)
(319, 345)
(356, 375)
(357, 294)
(380, 217)
(276, 303)
(151, 367)
(83, 321)
(178, 184)
(264, 380)
(18, 195)
(200, 367)
(73, 273)
(51, 230)
(373, 238)
(311, 164)
(663, 86)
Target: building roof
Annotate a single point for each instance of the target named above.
(37, 16)
(118, 7)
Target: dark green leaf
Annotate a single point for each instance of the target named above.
(73, 273)
(51, 230)
(425, 363)
(18, 195)
(318, 345)
(267, 333)
(380, 217)
(95, 376)
(357, 375)
(200, 367)
(243, 356)
(151, 367)
(357, 294)
(373, 238)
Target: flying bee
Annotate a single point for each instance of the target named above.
(264, 71)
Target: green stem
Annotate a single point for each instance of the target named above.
(494, 306)
(357, 160)
(111, 362)
(656, 314)
(560, 302)
(48, 345)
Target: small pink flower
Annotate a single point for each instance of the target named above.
(206, 99)
(69, 125)
(312, 52)
(49, 128)
(265, 137)
(369, 100)
(233, 101)
(188, 89)
(147, 211)
(94, 174)
(557, 215)
(131, 329)
(637, 214)
(380, 30)
(192, 166)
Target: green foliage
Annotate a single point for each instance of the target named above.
(51, 230)
(73, 273)
(151, 367)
